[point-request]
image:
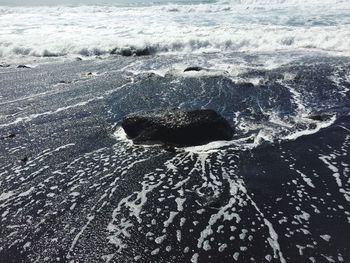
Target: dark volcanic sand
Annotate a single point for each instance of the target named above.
(85, 194)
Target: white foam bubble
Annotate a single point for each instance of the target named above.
(26, 193)
(326, 237)
(120, 135)
(6, 195)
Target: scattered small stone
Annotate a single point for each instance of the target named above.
(143, 52)
(23, 66)
(151, 75)
(8, 136)
(24, 160)
(126, 52)
(195, 68)
(170, 149)
(11, 135)
(319, 116)
(88, 74)
(132, 51)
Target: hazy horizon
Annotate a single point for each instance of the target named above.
(92, 2)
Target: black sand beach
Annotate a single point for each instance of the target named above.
(74, 189)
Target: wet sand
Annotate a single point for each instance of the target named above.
(72, 190)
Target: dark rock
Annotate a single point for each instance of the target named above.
(193, 69)
(4, 65)
(24, 160)
(132, 51)
(23, 66)
(150, 75)
(170, 149)
(78, 59)
(114, 51)
(8, 136)
(177, 128)
(319, 116)
(11, 135)
(126, 52)
(143, 52)
(249, 85)
(88, 74)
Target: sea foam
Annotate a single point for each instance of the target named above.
(224, 26)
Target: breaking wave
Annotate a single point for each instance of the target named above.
(224, 26)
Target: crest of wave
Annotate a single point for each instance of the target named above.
(284, 2)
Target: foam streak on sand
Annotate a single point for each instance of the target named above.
(5, 196)
(273, 239)
(336, 174)
(76, 238)
(225, 212)
(134, 206)
(34, 116)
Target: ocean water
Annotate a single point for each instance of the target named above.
(193, 26)
(74, 188)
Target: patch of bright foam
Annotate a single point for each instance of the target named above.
(6, 195)
(120, 135)
(322, 125)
